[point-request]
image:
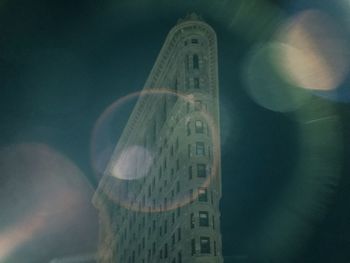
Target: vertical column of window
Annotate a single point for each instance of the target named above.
(193, 246)
(179, 257)
(192, 223)
(196, 83)
(195, 61)
(178, 211)
(191, 195)
(176, 87)
(188, 125)
(190, 172)
(154, 131)
(166, 250)
(187, 67)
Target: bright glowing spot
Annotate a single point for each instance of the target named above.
(266, 85)
(316, 55)
(13, 236)
(44, 192)
(133, 163)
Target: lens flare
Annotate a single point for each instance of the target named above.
(133, 163)
(129, 167)
(265, 83)
(43, 192)
(316, 54)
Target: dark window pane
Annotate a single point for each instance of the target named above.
(201, 170)
(203, 195)
(199, 126)
(195, 61)
(203, 218)
(205, 245)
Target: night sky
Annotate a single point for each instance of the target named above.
(285, 173)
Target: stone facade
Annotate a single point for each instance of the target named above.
(158, 200)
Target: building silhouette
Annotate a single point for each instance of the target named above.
(158, 199)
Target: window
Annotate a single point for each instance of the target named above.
(199, 126)
(200, 148)
(188, 128)
(190, 172)
(213, 221)
(173, 240)
(176, 85)
(202, 195)
(193, 246)
(201, 170)
(203, 218)
(205, 245)
(189, 151)
(179, 257)
(195, 61)
(179, 234)
(196, 83)
(165, 250)
(198, 105)
(192, 220)
(177, 187)
(194, 41)
(191, 195)
(215, 248)
(187, 62)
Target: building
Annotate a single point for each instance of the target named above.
(158, 200)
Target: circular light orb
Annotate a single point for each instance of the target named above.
(43, 193)
(316, 54)
(129, 166)
(265, 83)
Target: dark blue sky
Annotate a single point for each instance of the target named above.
(62, 63)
